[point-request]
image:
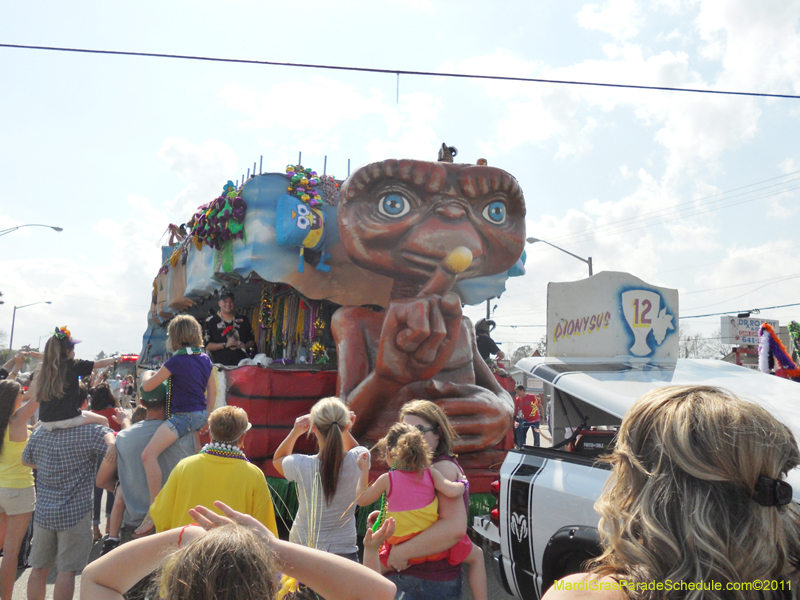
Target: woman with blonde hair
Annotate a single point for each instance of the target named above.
(327, 481)
(234, 557)
(440, 578)
(697, 495)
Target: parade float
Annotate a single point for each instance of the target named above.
(355, 289)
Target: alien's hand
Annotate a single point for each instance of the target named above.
(420, 334)
(480, 417)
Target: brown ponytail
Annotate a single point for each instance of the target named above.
(50, 381)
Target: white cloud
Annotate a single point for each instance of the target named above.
(789, 165)
(204, 168)
(316, 104)
(621, 19)
(756, 42)
(315, 122)
(768, 272)
(687, 236)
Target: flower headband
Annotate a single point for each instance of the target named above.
(62, 333)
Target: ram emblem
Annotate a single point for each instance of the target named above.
(519, 526)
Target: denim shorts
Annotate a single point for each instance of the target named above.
(183, 423)
(414, 588)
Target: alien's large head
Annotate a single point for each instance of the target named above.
(399, 218)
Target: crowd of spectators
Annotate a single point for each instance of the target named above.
(681, 463)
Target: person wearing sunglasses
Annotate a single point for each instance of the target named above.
(436, 579)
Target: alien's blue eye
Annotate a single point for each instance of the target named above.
(495, 212)
(303, 222)
(393, 206)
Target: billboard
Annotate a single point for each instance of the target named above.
(612, 314)
(743, 331)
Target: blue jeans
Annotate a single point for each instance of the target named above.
(521, 433)
(98, 501)
(414, 588)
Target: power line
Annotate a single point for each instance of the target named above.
(396, 72)
(644, 216)
(749, 255)
(725, 287)
(740, 311)
(645, 221)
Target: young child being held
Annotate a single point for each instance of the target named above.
(192, 397)
(410, 498)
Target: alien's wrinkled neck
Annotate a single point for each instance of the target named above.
(405, 289)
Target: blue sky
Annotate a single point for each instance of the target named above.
(113, 149)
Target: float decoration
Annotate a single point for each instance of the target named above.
(221, 220)
(426, 226)
(299, 220)
(291, 310)
(330, 189)
(771, 349)
(794, 332)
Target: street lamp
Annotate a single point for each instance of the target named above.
(10, 229)
(588, 261)
(14, 318)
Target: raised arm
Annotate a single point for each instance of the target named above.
(349, 441)
(301, 425)
(25, 412)
(160, 377)
(106, 362)
(367, 496)
(329, 575)
(374, 540)
(110, 576)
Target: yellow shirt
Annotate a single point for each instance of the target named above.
(13, 474)
(203, 479)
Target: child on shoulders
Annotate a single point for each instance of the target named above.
(191, 398)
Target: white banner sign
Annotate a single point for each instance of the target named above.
(743, 331)
(612, 314)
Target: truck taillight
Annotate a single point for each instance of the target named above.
(494, 514)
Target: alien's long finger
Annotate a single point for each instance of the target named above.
(445, 275)
(417, 327)
(429, 348)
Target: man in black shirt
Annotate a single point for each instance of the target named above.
(486, 345)
(229, 338)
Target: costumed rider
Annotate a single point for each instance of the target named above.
(486, 345)
(228, 337)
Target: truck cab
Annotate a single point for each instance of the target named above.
(544, 525)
